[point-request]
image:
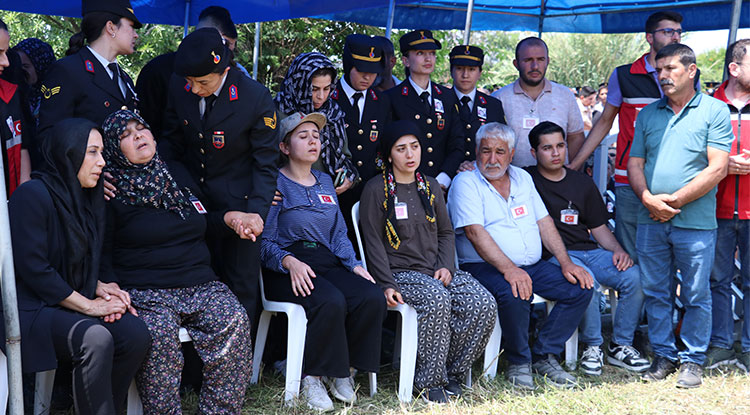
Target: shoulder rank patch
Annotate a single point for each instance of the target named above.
(89, 66)
(233, 93)
(187, 86)
(373, 95)
(437, 90)
(270, 122)
(335, 94)
(405, 90)
(482, 100)
(48, 92)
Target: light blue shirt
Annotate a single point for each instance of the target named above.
(512, 223)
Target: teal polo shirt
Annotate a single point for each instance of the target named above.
(675, 147)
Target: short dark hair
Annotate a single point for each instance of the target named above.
(533, 40)
(323, 72)
(543, 128)
(387, 45)
(653, 21)
(736, 51)
(453, 66)
(687, 56)
(3, 26)
(219, 18)
(586, 91)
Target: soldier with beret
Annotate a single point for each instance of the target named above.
(432, 107)
(367, 111)
(475, 108)
(220, 138)
(88, 82)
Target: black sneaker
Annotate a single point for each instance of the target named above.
(690, 375)
(719, 356)
(660, 368)
(435, 395)
(453, 388)
(743, 362)
(626, 357)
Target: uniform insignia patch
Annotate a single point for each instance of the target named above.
(187, 87)
(482, 113)
(335, 94)
(217, 58)
(372, 52)
(405, 90)
(48, 92)
(270, 122)
(437, 90)
(482, 100)
(218, 139)
(89, 66)
(374, 136)
(373, 95)
(440, 123)
(233, 93)
(106, 104)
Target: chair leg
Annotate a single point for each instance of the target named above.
(3, 383)
(571, 351)
(408, 364)
(492, 352)
(45, 381)
(135, 406)
(260, 344)
(295, 351)
(373, 383)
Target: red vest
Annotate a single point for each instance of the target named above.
(638, 89)
(10, 133)
(733, 195)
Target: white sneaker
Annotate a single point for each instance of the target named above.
(342, 389)
(315, 394)
(592, 361)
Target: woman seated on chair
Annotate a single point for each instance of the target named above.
(155, 249)
(311, 262)
(410, 246)
(66, 312)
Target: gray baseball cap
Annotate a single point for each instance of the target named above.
(291, 122)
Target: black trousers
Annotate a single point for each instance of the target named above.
(104, 357)
(345, 313)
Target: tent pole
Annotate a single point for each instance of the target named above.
(389, 24)
(469, 15)
(187, 19)
(256, 51)
(541, 19)
(734, 25)
(10, 307)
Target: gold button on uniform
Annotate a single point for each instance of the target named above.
(468, 126)
(202, 180)
(468, 139)
(203, 166)
(359, 147)
(429, 163)
(124, 107)
(359, 163)
(468, 154)
(429, 149)
(429, 121)
(185, 122)
(429, 135)
(360, 131)
(416, 117)
(200, 135)
(203, 151)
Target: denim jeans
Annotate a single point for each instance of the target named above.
(598, 262)
(731, 234)
(514, 313)
(627, 205)
(661, 248)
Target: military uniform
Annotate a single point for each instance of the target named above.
(229, 159)
(484, 108)
(152, 87)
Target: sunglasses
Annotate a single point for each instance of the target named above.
(670, 32)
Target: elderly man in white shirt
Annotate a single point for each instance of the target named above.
(501, 223)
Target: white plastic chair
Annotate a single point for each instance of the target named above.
(3, 382)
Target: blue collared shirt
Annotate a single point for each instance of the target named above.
(512, 223)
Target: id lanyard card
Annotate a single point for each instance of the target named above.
(569, 216)
(518, 211)
(198, 205)
(402, 211)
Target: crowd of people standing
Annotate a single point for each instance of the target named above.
(137, 209)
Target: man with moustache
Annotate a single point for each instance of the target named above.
(532, 99)
(680, 152)
(733, 216)
(631, 87)
(501, 224)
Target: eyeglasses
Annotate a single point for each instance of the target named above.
(669, 32)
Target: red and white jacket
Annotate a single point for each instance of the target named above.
(10, 133)
(733, 196)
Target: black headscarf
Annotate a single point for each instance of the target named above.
(81, 211)
(392, 133)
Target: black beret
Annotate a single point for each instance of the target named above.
(418, 40)
(465, 55)
(201, 53)
(121, 8)
(365, 53)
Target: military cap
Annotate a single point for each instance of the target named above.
(121, 8)
(201, 53)
(466, 55)
(418, 40)
(364, 53)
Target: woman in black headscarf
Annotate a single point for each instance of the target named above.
(307, 89)
(57, 224)
(155, 248)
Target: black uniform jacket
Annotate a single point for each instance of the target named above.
(443, 141)
(486, 109)
(231, 160)
(153, 89)
(79, 86)
(364, 136)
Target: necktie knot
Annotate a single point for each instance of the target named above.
(465, 100)
(357, 96)
(115, 75)
(425, 97)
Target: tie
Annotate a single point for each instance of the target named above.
(209, 105)
(465, 110)
(115, 75)
(356, 97)
(425, 96)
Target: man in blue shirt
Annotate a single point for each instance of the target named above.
(501, 223)
(679, 154)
